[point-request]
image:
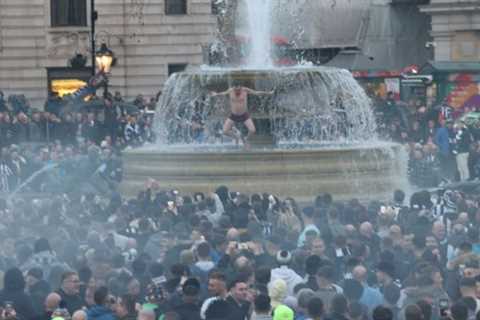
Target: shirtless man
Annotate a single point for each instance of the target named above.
(239, 111)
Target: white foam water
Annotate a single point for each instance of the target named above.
(259, 17)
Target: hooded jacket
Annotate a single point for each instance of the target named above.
(98, 312)
(287, 275)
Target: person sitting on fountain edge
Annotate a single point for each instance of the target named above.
(239, 111)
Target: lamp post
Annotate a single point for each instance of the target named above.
(105, 59)
(93, 16)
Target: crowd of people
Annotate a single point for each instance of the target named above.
(94, 255)
(443, 145)
(125, 124)
(225, 255)
(64, 136)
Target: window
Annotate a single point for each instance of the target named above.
(176, 67)
(66, 13)
(175, 6)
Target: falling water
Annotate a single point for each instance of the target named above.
(259, 16)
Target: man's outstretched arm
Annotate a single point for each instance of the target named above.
(224, 93)
(258, 93)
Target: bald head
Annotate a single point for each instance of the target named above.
(366, 229)
(360, 273)
(233, 234)
(350, 229)
(463, 218)
(79, 315)
(52, 301)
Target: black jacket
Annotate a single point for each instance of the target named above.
(38, 292)
(21, 303)
(72, 302)
(188, 311)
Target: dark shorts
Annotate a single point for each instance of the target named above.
(239, 118)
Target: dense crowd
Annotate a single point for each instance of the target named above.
(64, 136)
(123, 124)
(225, 255)
(87, 253)
(442, 143)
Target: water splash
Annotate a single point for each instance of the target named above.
(259, 18)
(28, 181)
(309, 106)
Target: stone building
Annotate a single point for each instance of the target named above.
(455, 29)
(150, 38)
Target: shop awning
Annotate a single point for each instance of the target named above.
(450, 66)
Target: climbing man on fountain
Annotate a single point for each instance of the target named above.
(239, 112)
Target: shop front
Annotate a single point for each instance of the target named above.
(65, 81)
(456, 83)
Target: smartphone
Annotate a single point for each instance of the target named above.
(443, 305)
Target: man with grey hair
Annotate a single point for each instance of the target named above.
(371, 297)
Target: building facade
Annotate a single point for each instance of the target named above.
(150, 38)
(455, 31)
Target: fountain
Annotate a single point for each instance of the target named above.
(315, 134)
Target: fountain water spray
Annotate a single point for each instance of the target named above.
(320, 120)
(259, 18)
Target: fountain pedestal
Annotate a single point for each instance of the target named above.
(346, 173)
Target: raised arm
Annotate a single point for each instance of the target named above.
(258, 93)
(224, 93)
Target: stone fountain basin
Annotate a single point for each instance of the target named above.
(363, 172)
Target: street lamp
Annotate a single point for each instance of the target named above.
(104, 58)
